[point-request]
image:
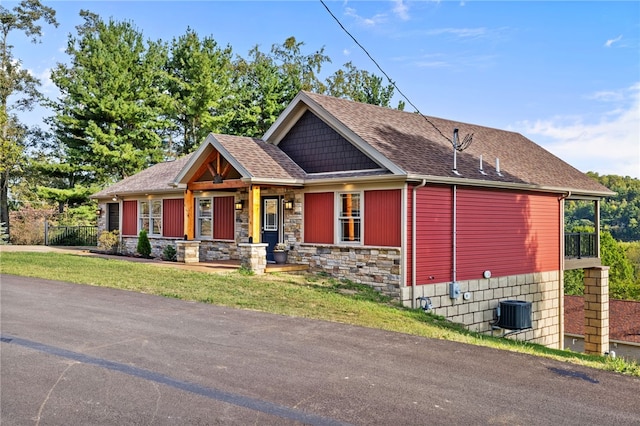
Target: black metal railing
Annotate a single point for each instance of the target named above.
(71, 236)
(580, 244)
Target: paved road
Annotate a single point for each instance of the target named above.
(82, 355)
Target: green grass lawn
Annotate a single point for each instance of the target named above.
(309, 296)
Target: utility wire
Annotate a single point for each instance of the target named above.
(385, 74)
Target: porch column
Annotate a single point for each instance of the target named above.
(188, 251)
(253, 257)
(254, 214)
(188, 215)
(596, 310)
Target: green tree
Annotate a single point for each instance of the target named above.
(260, 94)
(359, 85)
(621, 276)
(199, 80)
(112, 112)
(620, 213)
(18, 83)
(300, 71)
(144, 246)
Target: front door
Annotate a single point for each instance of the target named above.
(270, 223)
(113, 217)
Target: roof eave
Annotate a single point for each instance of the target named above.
(510, 185)
(196, 160)
(357, 179)
(170, 190)
(273, 181)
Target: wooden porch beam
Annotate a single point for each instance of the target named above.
(207, 185)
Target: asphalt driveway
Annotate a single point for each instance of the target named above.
(74, 354)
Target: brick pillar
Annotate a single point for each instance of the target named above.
(188, 251)
(596, 310)
(253, 257)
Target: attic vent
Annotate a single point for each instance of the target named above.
(514, 315)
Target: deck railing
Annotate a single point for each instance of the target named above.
(580, 244)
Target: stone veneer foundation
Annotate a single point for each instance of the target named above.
(376, 267)
(478, 313)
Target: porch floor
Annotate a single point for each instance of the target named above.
(216, 266)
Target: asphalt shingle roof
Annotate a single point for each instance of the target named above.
(156, 178)
(412, 143)
(261, 159)
(624, 318)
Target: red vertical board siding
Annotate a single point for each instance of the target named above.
(130, 218)
(173, 217)
(318, 217)
(433, 237)
(223, 218)
(382, 218)
(507, 233)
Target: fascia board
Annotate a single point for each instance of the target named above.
(275, 182)
(508, 185)
(360, 179)
(120, 194)
(203, 151)
(286, 119)
(194, 162)
(230, 158)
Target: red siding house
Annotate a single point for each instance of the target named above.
(377, 196)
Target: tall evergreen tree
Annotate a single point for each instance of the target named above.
(18, 82)
(110, 117)
(260, 94)
(199, 80)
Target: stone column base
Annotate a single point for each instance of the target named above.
(188, 251)
(596, 310)
(253, 257)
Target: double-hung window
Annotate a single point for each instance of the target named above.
(204, 218)
(151, 216)
(349, 217)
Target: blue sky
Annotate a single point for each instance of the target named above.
(564, 74)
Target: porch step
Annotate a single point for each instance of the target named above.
(287, 267)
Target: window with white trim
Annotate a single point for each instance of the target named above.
(204, 218)
(151, 216)
(349, 217)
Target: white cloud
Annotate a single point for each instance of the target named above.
(608, 145)
(460, 32)
(44, 77)
(379, 18)
(610, 42)
(401, 10)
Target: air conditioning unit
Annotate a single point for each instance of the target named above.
(514, 315)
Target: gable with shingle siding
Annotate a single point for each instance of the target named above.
(318, 148)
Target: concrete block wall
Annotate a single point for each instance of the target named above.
(542, 289)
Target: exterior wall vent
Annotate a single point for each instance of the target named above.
(515, 315)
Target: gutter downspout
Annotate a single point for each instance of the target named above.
(413, 241)
(455, 231)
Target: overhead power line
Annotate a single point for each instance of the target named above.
(384, 73)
